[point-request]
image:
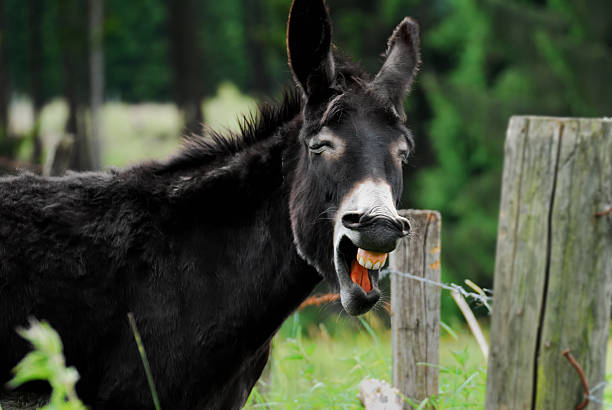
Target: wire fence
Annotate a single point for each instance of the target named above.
(483, 296)
(594, 399)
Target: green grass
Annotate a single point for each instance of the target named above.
(323, 372)
(134, 132)
(152, 131)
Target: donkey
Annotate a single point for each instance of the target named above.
(214, 248)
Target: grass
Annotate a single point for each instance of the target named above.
(146, 131)
(321, 371)
(133, 132)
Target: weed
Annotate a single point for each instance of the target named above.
(46, 362)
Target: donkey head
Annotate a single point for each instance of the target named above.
(353, 143)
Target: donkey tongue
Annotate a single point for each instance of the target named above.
(360, 276)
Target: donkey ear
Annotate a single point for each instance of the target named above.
(401, 64)
(309, 45)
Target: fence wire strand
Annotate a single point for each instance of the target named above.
(593, 398)
(482, 298)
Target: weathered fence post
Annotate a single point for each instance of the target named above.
(553, 269)
(415, 307)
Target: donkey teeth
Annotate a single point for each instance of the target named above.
(368, 264)
(365, 263)
(371, 260)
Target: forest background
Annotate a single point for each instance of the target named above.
(483, 61)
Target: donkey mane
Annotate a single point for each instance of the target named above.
(256, 126)
(200, 150)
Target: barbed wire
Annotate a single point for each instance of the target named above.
(483, 298)
(594, 399)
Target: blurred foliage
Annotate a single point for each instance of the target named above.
(483, 61)
(136, 50)
(506, 58)
(46, 362)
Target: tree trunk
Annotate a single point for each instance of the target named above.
(96, 76)
(36, 68)
(74, 30)
(3, 78)
(186, 62)
(254, 27)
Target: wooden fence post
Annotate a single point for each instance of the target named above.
(415, 307)
(553, 268)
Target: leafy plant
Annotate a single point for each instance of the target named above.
(46, 362)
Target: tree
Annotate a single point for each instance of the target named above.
(186, 62)
(74, 41)
(136, 51)
(96, 75)
(254, 31)
(3, 78)
(35, 9)
(496, 59)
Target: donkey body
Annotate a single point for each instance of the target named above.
(214, 248)
(208, 281)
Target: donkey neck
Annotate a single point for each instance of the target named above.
(241, 200)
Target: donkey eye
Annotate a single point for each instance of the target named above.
(319, 146)
(403, 156)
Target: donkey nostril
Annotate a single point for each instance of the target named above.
(405, 225)
(351, 220)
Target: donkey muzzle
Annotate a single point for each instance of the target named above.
(375, 232)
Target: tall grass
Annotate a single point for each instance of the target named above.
(320, 371)
(323, 372)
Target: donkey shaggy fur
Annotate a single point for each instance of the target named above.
(180, 245)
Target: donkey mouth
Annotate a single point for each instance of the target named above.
(357, 271)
